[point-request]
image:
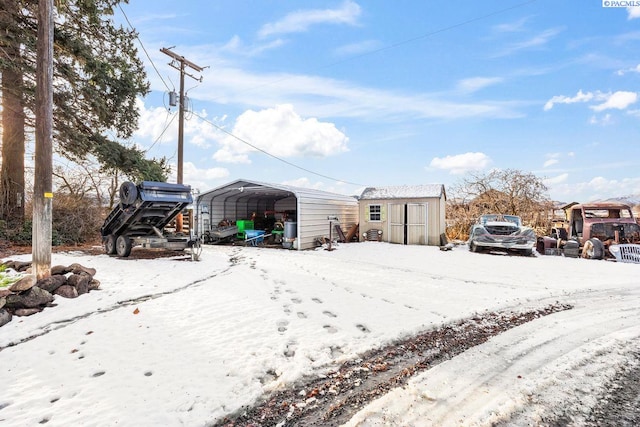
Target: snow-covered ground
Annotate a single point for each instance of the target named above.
(174, 342)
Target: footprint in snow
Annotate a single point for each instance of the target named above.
(330, 329)
(301, 315)
(336, 351)
(282, 325)
(317, 300)
(296, 300)
(330, 314)
(363, 328)
(290, 351)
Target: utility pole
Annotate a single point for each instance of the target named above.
(180, 63)
(43, 182)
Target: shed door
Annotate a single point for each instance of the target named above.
(396, 223)
(408, 224)
(417, 224)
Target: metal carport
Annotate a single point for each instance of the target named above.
(239, 199)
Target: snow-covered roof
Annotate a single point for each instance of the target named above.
(403, 192)
(243, 188)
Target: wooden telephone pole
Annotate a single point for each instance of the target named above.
(43, 174)
(180, 63)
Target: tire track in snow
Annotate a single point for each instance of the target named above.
(550, 372)
(333, 398)
(54, 326)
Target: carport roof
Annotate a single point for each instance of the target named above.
(243, 188)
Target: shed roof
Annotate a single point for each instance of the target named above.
(404, 192)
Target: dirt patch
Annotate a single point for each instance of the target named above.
(7, 250)
(621, 405)
(337, 396)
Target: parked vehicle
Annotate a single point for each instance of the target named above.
(501, 232)
(592, 230)
(142, 215)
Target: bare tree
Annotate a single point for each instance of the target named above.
(506, 191)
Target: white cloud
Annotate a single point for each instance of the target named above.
(238, 47)
(300, 21)
(323, 97)
(552, 159)
(281, 132)
(635, 69)
(461, 163)
(561, 99)
(337, 187)
(617, 100)
(633, 12)
(365, 46)
(160, 126)
(156, 123)
(556, 180)
(537, 41)
(596, 188)
(474, 84)
(304, 183)
(201, 179)
(603, 121)
(512, 27)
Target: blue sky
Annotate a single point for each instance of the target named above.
(382, 93)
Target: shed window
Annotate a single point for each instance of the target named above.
(375, 213)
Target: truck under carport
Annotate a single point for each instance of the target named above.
(242, 200)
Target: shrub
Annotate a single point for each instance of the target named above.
(75, 220)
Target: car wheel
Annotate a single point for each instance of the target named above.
(123, 246)
(593, 249)
(110, 244)
(527, 252)
(128, 193)
(473, 247)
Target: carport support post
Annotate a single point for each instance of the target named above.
(331, 218)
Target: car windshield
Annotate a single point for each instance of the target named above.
(500, 218)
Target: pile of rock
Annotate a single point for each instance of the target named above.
(28, 296)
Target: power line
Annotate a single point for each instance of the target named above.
(143, 48)
(273, 155)
(173, 117)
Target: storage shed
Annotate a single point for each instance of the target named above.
(408, 214)
(303, 210)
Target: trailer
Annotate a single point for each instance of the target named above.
(142, 215)
(220, 234)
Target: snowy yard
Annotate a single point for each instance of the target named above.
(173, 342)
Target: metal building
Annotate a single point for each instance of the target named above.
(408, 214)
(309, 208)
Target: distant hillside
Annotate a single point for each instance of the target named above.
(633, 200)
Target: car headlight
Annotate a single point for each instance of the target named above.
(614, 249)
(480, 231)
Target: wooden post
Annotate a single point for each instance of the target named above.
(43, 173)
